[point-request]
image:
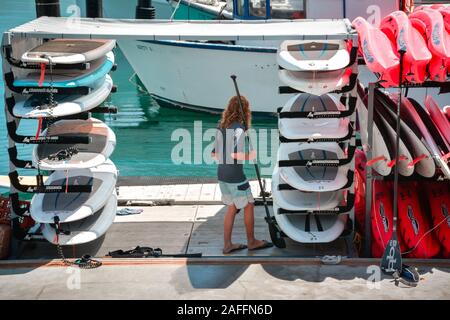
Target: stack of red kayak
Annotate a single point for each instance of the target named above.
(423, 218)
(423, 36)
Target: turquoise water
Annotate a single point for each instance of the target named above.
(143, 129)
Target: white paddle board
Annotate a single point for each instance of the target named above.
(85, 230)
(69, 51)
(311, 228)
(37, 106)
(298, 200)
(319, 128)
(310, 55)
(75, 155)
(74, 206)
(317, 82)
(313, 178)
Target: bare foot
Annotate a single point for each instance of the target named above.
(259, 244)
(234, 247)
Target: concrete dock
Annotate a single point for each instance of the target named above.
(188, 218)
(235, 280)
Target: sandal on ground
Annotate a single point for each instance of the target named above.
(265, 245)
(237, 248)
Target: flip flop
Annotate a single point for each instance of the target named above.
(264, 246)
(239, 247)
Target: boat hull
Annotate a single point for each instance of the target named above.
(197, 76)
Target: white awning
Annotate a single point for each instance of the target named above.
(122, 29)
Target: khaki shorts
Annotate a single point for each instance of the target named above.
(238, 194)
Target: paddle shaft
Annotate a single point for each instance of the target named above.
(233, 77)
(397, 143)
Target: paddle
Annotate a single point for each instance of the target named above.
(392, 256)
(275, 232)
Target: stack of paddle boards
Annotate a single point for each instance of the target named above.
(71, 80)
(313, 181)
(423, 35)
(424, 136)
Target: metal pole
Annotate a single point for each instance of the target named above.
(49, 8)
(369, 177)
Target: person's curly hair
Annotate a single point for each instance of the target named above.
(233, 113)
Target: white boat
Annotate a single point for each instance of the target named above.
(195, 75)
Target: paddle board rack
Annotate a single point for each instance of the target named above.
(313, 224)
(60, 28)
(102, 180)
(444, 88)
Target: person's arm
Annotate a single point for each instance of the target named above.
(244, 156)
(239, 153)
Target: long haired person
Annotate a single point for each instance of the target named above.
(230, 153)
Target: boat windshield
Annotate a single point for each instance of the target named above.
(279, 9)
(287, 9)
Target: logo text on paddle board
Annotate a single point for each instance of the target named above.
(391, 256)
(401, 40)
(413, 220)
(367, 54)
(384, 220)
(435, 34)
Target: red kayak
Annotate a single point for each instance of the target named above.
(381, 216)
(377, 51)
(414, 224)
(430, 24)
(439, 202)
(403, 36)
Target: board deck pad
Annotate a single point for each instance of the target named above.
(314, 178)
(70, 78)
(66, 156)
(69, 201)
(73, 206)
(303, 128)
(69, 51)
(315, 173)
(85, 230)
(307, 55)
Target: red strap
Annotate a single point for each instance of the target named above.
(416, 160)
(392, 162)
(41, 78)
(375, 160)
(39, 127)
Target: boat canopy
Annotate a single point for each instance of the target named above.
(221, 30)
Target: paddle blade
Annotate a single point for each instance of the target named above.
(392, 257)
(275, 235)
